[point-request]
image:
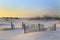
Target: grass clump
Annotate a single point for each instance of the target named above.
(3, 29)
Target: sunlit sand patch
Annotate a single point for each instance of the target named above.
(58, 22)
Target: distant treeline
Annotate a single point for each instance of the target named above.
(35, 18)
(45, 18)
(10, 17)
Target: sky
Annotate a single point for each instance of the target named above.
(28, 8)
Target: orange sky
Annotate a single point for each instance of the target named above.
(7, 12)
(13, 13)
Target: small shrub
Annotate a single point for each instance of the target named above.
(4, 29)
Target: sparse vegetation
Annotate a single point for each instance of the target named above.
(3, 29)
(45, 18)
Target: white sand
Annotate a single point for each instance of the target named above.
(18, 34)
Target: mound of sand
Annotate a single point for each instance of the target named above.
(47, 35)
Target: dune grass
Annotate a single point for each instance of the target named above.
(4, 29)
